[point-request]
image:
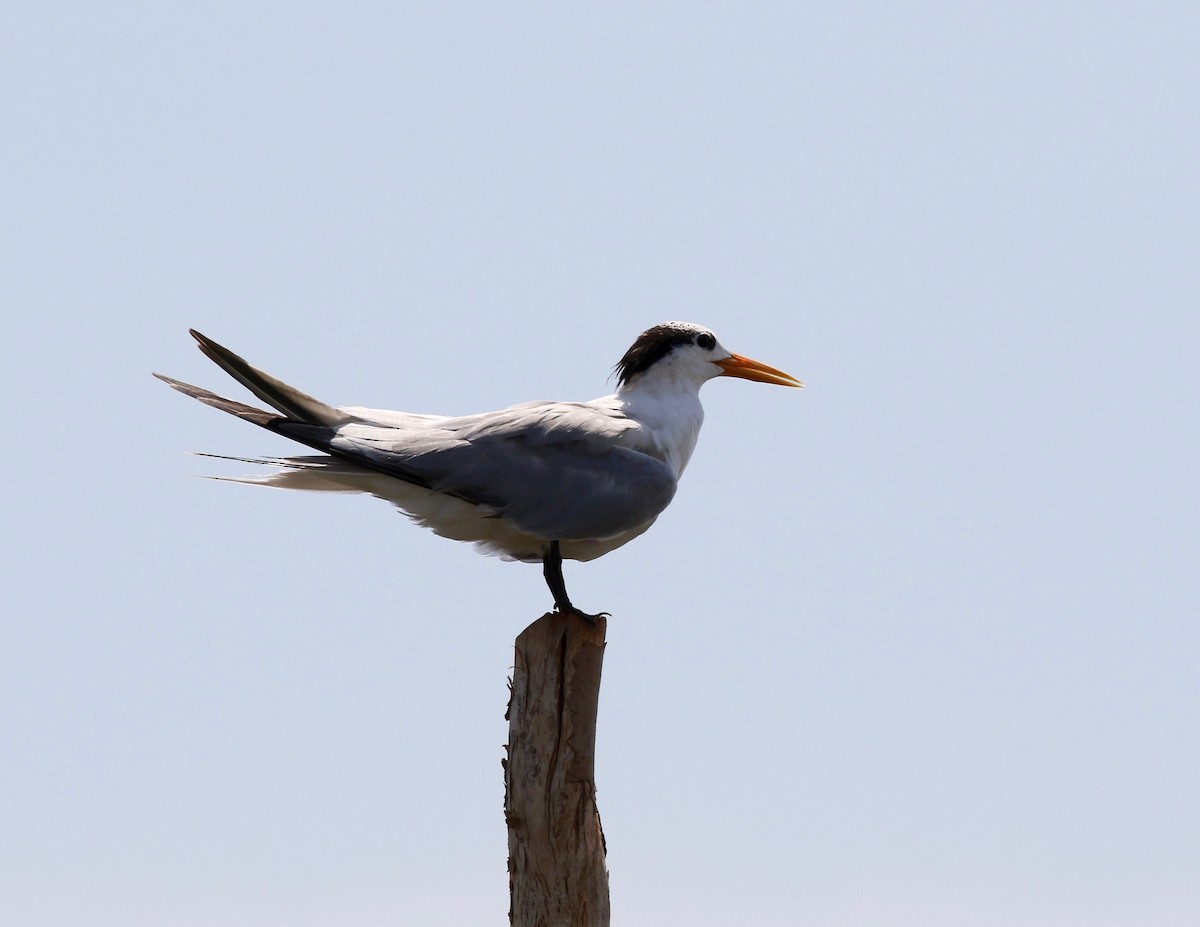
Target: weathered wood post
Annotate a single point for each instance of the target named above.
(556, 871)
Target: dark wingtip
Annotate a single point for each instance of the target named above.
(170, 381)
(210, 348)
(214, 351)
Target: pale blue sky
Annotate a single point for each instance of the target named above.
(917, 646)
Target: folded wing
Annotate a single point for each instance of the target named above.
(553, 470)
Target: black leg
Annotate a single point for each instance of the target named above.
(552, 570)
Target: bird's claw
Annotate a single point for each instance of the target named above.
(572, 610)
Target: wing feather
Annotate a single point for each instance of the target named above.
(554, 470)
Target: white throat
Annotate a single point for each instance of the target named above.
(670, 415)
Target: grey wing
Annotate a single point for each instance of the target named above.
(553, 470)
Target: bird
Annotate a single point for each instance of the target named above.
(537, 482)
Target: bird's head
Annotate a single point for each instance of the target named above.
(687, 352)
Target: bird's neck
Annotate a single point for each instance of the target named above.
(670, 416)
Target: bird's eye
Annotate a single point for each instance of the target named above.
(706, 341)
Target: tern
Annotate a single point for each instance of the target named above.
(536, 482)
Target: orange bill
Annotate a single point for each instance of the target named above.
(737, 366)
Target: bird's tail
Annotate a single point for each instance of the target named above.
(297, 406)
(240, 409)
(312, 474)
(300, 417)
(303, 418)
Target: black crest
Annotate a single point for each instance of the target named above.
(652, 346)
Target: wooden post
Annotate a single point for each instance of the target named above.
(556, 871)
